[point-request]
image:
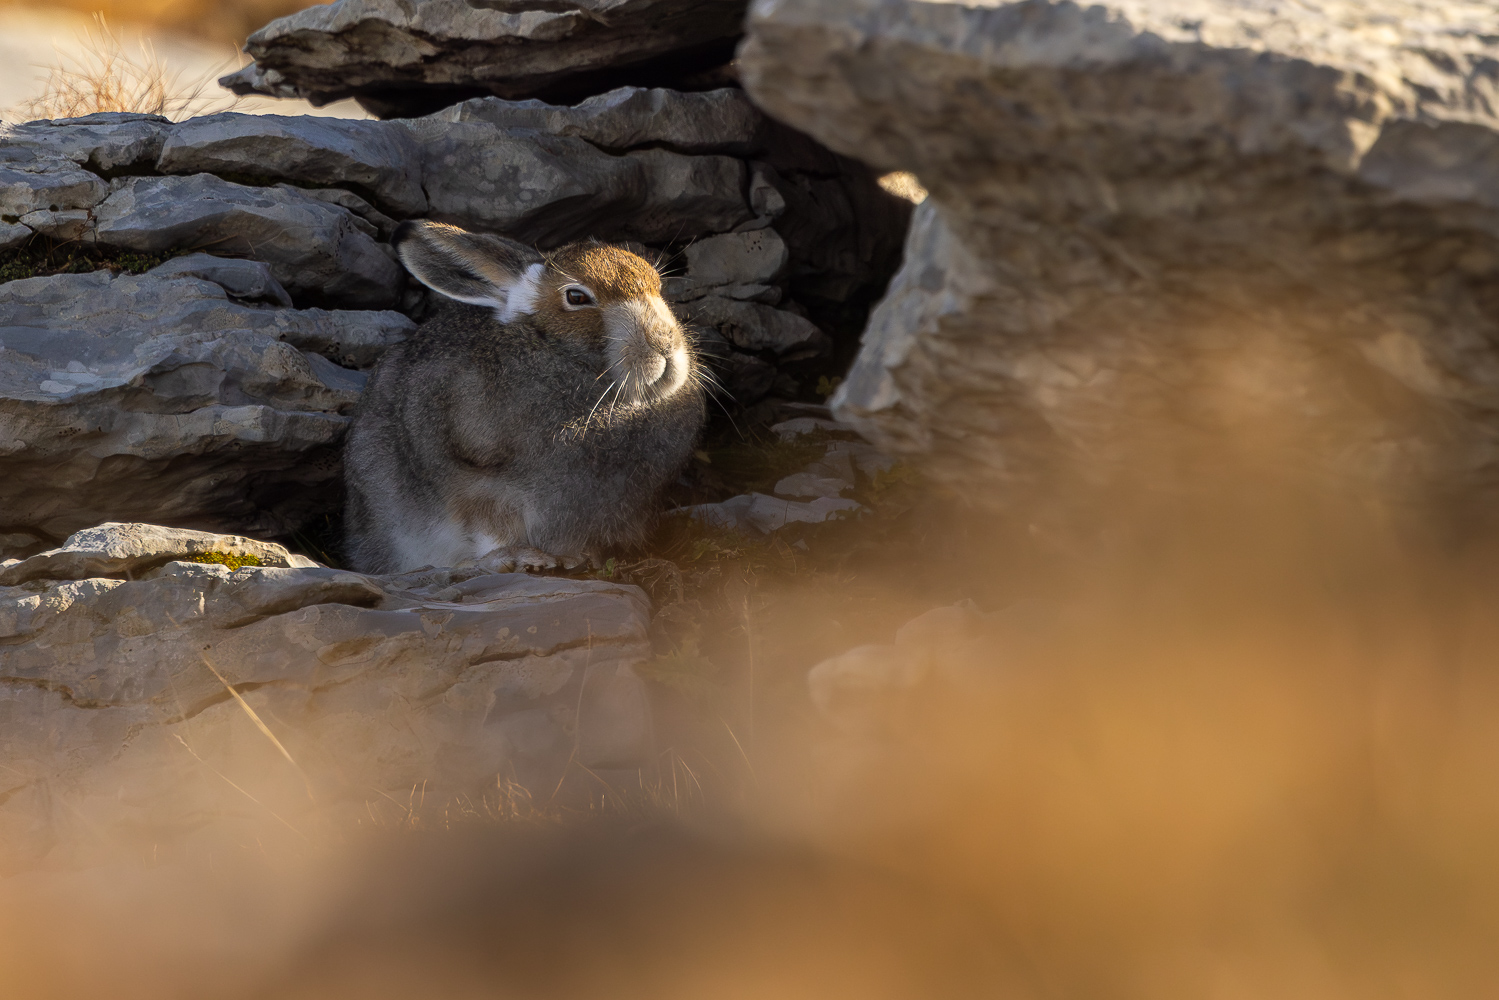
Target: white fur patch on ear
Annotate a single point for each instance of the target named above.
(522, 297)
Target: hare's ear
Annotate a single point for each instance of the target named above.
(475, 268)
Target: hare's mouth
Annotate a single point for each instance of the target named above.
(651, 371)
(651, 376)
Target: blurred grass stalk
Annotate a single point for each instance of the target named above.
(100, 75)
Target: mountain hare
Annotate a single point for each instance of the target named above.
(549, 411)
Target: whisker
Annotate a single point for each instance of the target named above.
(619, 395)
(589, 419)
(725, 409)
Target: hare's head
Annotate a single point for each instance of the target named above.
(596, 295)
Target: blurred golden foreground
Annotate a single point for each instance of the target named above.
(225, 21)
(1241, 742)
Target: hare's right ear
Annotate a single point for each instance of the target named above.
(476, 268)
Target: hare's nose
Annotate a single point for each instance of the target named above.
(653, 369)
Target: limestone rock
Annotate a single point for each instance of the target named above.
(405, 58)
(130, 550)
(757, 257)
(844, 456)
(373, 686)
(321, 253)
(751, 326)
(105, 143)
(247, 280)
(39, 180)
(790, 430)
(744, 378)
(714, 121)
(127, 397)
(810, 484)
(549, 189)
(13, 234)
(1168, 221)
(760, 514)
(381, 160)
(685, 196)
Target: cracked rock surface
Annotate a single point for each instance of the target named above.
(318, 251)
(1168, 215)
(117, 659)
(159, 395)
(403, 58)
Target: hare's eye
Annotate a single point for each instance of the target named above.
(577, 297)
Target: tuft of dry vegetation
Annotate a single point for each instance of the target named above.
(103, 76)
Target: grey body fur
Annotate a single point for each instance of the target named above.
(480, 428)
(549, 413)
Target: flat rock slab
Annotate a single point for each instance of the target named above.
(320, 252)
(714, 121)
(364, 156)
(245, 280)
(120, 730)
(752, 326)
(548, 189)
(128, 396)
(315, 198)
(399, 57)
(131, 550)
(761, 514)
(1155, 224)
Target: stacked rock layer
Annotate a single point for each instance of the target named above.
(213, 390)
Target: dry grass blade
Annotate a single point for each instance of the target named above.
(262, 726)
(102, 76)
(274, 815)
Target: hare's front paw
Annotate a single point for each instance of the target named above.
(523, 559)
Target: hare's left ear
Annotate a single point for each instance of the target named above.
(476, 268)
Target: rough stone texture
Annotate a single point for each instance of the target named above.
(130, 550)
(320, 253)
(751, 326)
(119, 728)
(810, 484)
(127, 397)
(34, 179)
(1194, 215)
(714, 121)
(246, 280)
(106, 142)
(401, 58)
(745, 378)
(13, 234)
(549, 189)
(738, 259)
(790, 430)
(365, 156)
(760, 514)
